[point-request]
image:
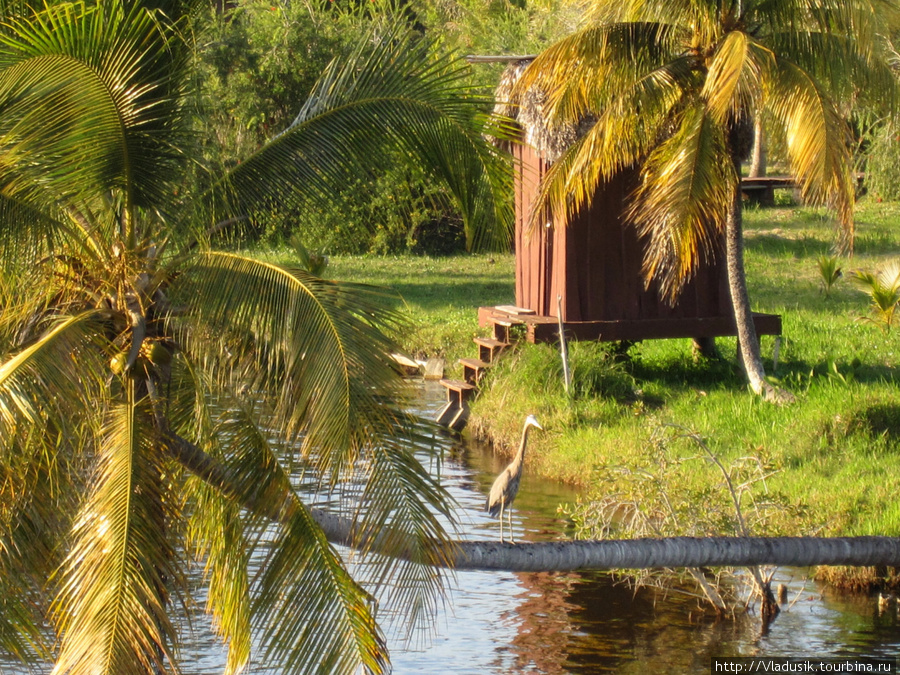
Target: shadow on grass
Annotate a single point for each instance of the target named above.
(882, 419)
(435, 295)
(776, 244)
(725, 374)
(682, 372)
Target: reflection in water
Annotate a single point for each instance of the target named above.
(550, 623)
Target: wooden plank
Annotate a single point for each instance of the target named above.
(457, 385)
(489, 342)
(458, 391)
(648, 329)
(459, 420)
(489, 349)
(512, 309)
(447, 413)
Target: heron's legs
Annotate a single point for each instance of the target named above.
(502, 504)
(509, 519)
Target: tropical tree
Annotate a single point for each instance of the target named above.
(158, 396)
(674, 87)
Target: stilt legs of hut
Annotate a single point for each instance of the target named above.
(705, 348)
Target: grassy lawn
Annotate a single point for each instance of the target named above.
(829, 463)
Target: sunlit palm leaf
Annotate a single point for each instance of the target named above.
(42, 390)
(86, 94)
(621, 137)
(217, 533)
(316, 349)
(685, 190)
(401, 502)
(733, 80)
(817, 138)
(45, 376)
(313, 616)
(591, 69)
(34, 503)
(116, 580)
(702, 17)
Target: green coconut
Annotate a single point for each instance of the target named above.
(118, 363)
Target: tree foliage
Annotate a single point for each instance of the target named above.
(673, 87)
(156, 393)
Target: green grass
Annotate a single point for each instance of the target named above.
(835, 453)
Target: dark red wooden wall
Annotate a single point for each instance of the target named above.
(595, 262)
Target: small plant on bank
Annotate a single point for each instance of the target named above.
(883, 288)
(829, 272)
(313, 262)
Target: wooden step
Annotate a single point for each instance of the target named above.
(458, 421)
(458, 391)
(455, 413)
(502, 328)
(473, 369)
(489, 348)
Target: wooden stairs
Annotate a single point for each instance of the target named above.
(455, 412)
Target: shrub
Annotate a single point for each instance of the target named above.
(883, 163)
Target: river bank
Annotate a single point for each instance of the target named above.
(829, 464)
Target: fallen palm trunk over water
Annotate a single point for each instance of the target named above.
(577, 555)
(667, 552)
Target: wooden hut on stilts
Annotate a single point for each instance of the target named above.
(593, 266)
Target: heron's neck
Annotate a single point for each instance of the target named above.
(520, 455)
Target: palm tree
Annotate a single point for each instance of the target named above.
(674, 87)
(158, 396)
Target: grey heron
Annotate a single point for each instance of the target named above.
(506, 485)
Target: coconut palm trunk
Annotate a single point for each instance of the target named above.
(748, 342)
(645, 553)
(758, 158)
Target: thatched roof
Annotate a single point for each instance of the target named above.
(549, 140)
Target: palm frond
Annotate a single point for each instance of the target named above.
(312, 615)
(686, 186)
(624, 133)
(111, 609)
(317, 350)
(704, 18)
(88, 95)
(393, 497)
(316, 618)
(398, 96)
(861, 20)
(44, 377)
(405, 506)
(842, 67)
(817, 139)
(44, 387)
(36, 498)
(733, 79)
(587, 71)
(216, 533)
